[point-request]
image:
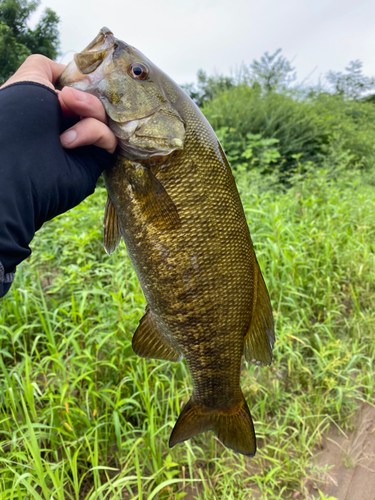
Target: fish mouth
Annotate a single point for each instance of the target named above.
(94, 54)
(104, 39)
(81, 71)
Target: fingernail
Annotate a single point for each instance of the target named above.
(68, 137)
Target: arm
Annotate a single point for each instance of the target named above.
(46, 165)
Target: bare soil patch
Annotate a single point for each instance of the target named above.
(350, 459)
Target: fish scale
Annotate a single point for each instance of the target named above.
(173, 199)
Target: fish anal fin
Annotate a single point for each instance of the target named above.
(149, 342)
(260, 337)
(112, 234)
(233, 426)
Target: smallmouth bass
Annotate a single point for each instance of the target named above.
(173, 199)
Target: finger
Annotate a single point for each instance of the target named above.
(89, 131)
(56, 69)
(37, 68)
(76, 102)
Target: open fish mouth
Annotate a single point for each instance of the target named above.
(94, 54)
(82, 70)
(104, 39)
(110, 70)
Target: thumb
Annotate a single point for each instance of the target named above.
(89, 131)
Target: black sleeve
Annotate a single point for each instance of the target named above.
(39, 179)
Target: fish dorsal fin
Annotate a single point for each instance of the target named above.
(149, 342)
(112, 234)
(260, 337)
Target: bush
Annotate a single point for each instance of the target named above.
(351, 127)
(300, 132)
(322, 128)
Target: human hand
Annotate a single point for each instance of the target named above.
(91, 128)
(45, 174)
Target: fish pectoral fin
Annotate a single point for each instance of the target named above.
(260, 337)
(233, 426)
(154, 202)
(149, 342)
(112, 234)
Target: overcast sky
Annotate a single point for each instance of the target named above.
(181, 36)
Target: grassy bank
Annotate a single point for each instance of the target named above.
(83, 418)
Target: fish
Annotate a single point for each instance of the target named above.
(173, 199)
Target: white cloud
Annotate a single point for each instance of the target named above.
(182, 36)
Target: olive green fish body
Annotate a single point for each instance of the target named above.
(173, 199)
(198, 278)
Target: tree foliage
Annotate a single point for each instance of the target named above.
(352, 84)
(266, 123)
(17, 40)
(273, 72)
(207, 87)
(244, 110)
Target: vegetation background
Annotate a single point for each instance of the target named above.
(81, 417)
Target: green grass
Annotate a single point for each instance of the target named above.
(81, 417)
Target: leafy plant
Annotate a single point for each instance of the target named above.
(207, 87)
(352, 84)
(253, 152)
(83, 418)
(17, 40)
(273, 72)
(294, 124)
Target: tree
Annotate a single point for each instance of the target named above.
(207, 87)
(272, 72)
(352, 84)
(17, 40)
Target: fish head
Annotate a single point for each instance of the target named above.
(132, 91)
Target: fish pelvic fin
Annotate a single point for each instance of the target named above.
(111, 225)
(149, 342)
(233, 426)
(260, 336)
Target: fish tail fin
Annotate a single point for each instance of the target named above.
(233, 426)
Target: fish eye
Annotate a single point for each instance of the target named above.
(138, 71)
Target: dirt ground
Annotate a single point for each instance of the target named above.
(351, 457)
(350, 461)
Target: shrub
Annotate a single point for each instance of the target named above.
(300, 132)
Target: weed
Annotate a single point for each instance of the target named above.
(83, 418)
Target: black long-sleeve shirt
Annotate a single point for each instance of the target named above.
(39, 179)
